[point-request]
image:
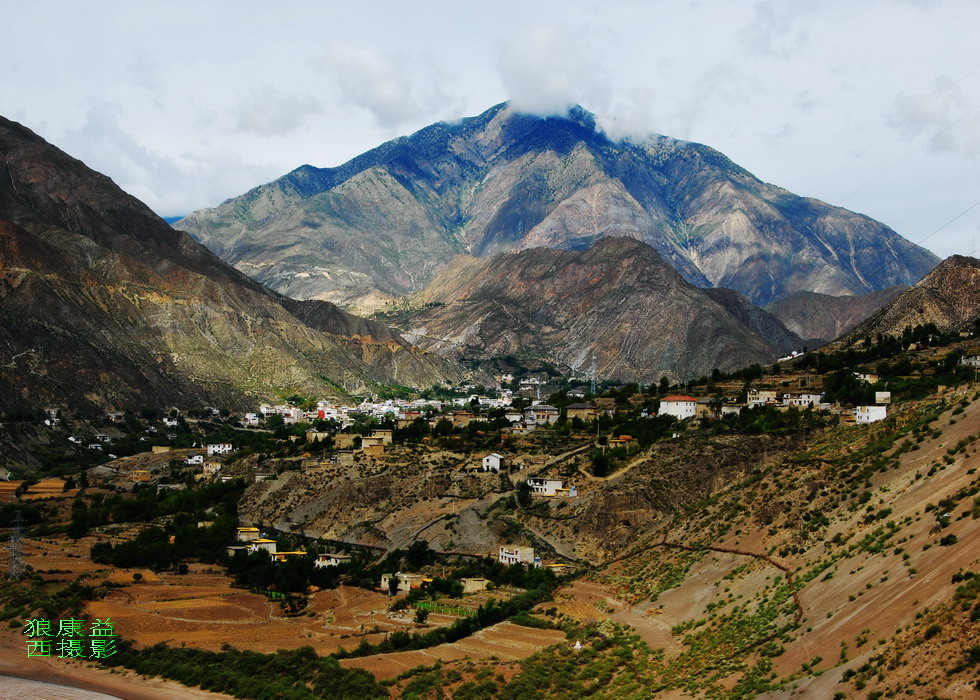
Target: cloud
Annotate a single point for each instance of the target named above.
(547, 69)
(723, 88)
(774, 30)
(395, 89)
(269, 112)
(630, 116)
(943, 114)
(144, 71)
(102, 143)
(168, 185)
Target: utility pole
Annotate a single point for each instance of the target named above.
(15, 567)
(592, 372)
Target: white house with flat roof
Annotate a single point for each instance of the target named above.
(512, 554)
(870, 414)
(544, 486)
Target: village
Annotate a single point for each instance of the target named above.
(368, 428)
(373, 527)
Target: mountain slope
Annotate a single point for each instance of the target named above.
(101, 302)
(618, 300)
(949, 297)
(819, 318)
(383, 224)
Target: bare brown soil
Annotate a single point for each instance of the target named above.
(504, 642)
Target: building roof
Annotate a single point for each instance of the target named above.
(679, 398)
(541, 407)
(248, 529)
(581, 405)
(263, 540)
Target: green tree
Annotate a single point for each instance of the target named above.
(600, 464)
(523, 494)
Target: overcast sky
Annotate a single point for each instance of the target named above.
(872, 105)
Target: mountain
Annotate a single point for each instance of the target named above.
(383, 224)
(949, 297)
(103, 304)
(819, 318)
(618, 300)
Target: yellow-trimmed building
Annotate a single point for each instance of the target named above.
(248, 534)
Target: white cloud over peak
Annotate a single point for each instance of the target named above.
(396, 89)
(547, 69)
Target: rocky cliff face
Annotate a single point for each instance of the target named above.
(382, 225)
(949, 297)
(820, 318)
(618, 300)
(104, 304)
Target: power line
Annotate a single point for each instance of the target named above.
(896, 127)
(909, 154)
(972, 206)
(914, 245)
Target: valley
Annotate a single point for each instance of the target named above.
(769, 553)
(586, 445)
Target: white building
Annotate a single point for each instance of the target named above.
(545, 486)
(541, 414)
(492, 462)
(327, 559)
(220, 448)
(406, 582)
(512, 554)
(248, 534)
(262, 545)
(882, 397)
(293, 415)
(194, 459)
(760, 397)
(681, 407)
(870, 414)
(802, 400)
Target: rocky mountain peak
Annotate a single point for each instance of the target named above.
(383, 224)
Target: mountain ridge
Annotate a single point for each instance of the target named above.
(381, 225)
(618, 300)
(104, 304)
(949, 297)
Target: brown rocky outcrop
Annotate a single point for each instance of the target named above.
(949, 297)
(103, 304)
(617, 300)
(819, 318)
